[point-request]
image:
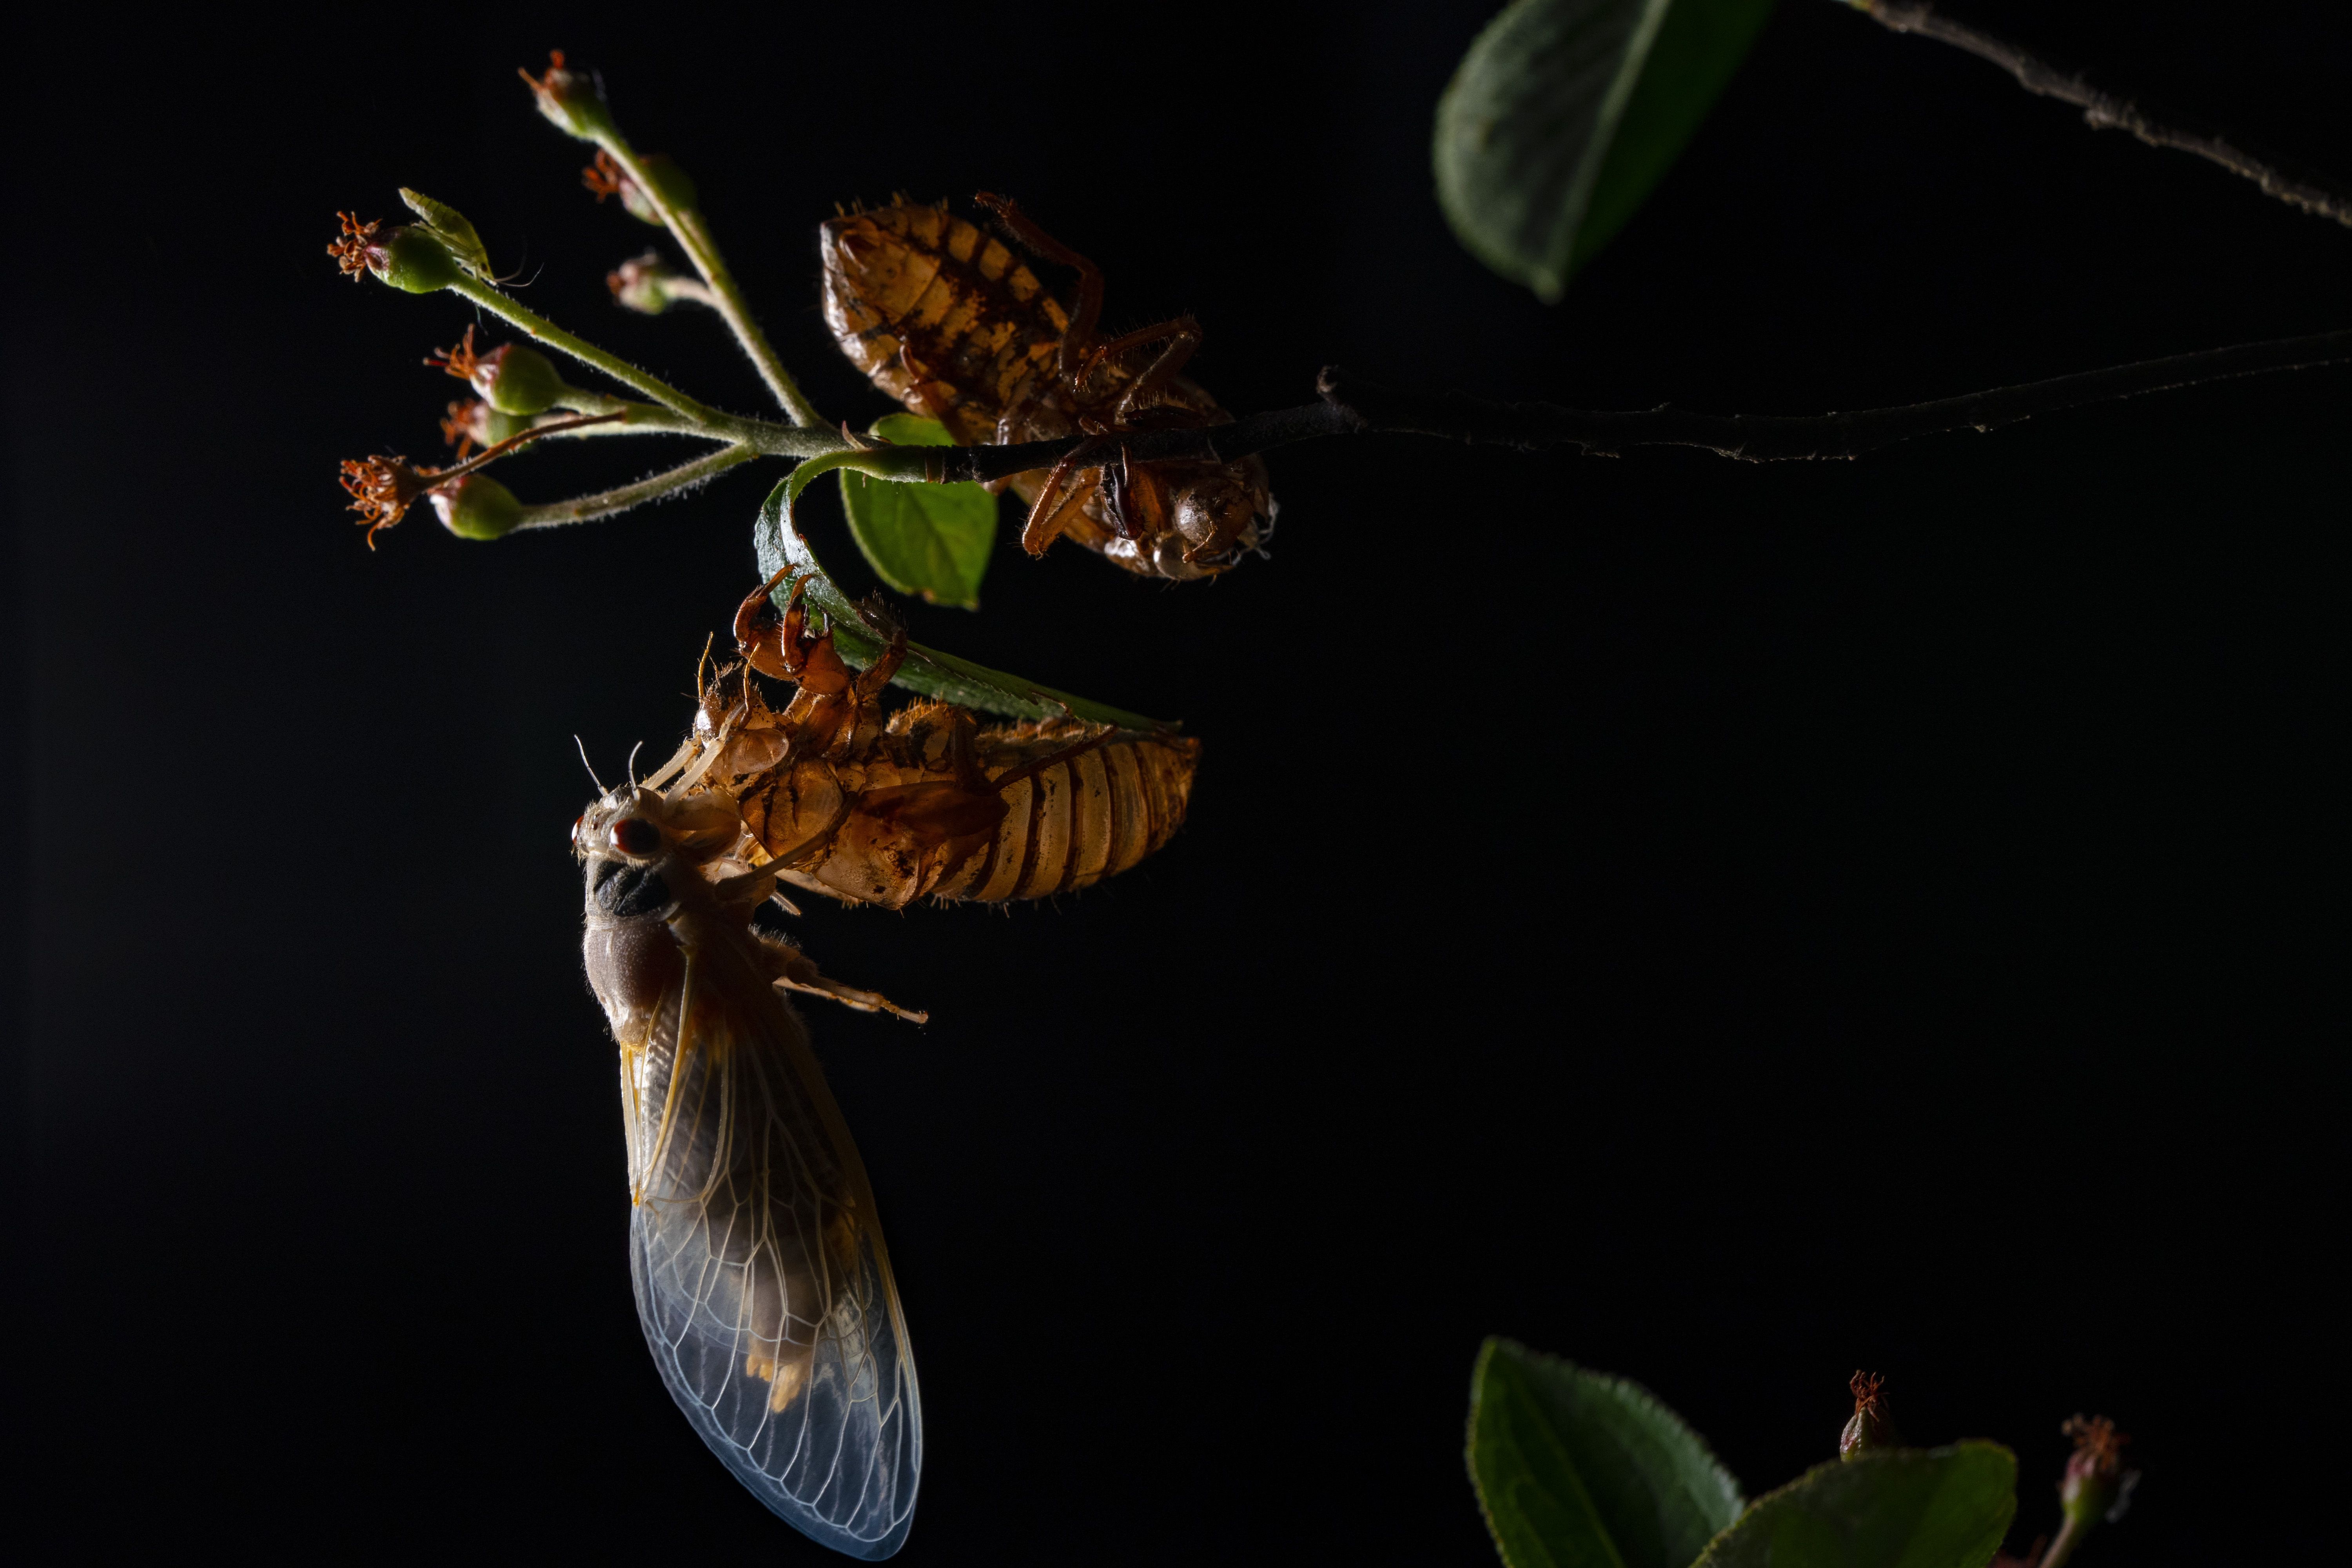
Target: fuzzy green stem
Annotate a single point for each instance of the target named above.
(763, 437)
(586, 352)
(604, 503)
(686, 225)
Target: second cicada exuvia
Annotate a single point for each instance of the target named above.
(761, 1279)
(926, 803)
(955, 325)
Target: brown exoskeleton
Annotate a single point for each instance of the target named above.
(926, 804)
(951, 322)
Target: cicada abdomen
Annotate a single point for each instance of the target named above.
(761, 1279)
(953, 324)
(927, 804)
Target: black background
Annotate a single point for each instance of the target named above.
(1728, 925)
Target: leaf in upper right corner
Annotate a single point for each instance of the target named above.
(1894, 1508)
(1576, 1469)
(1565, 113)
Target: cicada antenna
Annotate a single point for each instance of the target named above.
(633, 766)
(589, 765)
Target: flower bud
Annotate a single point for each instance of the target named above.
(574, 102)
(1871, 1426)
(414, 259)
(2096, 1486)
(515, 378)
(643, 285)
(477, 507)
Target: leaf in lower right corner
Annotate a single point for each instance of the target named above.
(1576, 1469)
(1894, 1508)
(1565, 113)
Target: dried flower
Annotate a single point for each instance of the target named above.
(383, 488)
(471, 423)
(514, 377)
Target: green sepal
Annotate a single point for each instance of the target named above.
(926, 670)
(450, 225)
(573, 102)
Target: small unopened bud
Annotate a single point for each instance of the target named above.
(650, 285)
(1871, 1426)
(2096, 1486)
(605, 177)
(477, 507)
(574, 102)
(413, 258)
(472, 423)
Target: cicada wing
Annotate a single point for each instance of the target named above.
(761, 1278)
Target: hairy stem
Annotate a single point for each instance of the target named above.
(2103, 110)
(604, 503)
(586, 352)
(687, 226)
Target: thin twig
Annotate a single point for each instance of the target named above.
(1351, 407)
(2103, 110)
(604, 503)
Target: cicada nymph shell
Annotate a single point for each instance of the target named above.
(952, 322)
(926, 803)
(761, 1279)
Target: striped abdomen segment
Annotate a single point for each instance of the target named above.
(940, 316)
(891, 830)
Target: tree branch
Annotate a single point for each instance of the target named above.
(2103, 110)
(1352, 407)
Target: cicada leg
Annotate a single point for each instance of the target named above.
(1024, 230)
(1185, 335)
(1050, 515)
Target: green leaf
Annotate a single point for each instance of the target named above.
(1890, 1508)
(926, 670)
(1564, 113)
(932, 540)
(1575, 1469)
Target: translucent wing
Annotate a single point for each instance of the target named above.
(760, 1274)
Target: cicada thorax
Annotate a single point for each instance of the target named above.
(952, 322)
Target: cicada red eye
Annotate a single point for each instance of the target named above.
(635, 835)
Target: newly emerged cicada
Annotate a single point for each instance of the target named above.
(951, 322)
(928, 803)
(761, 1278)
